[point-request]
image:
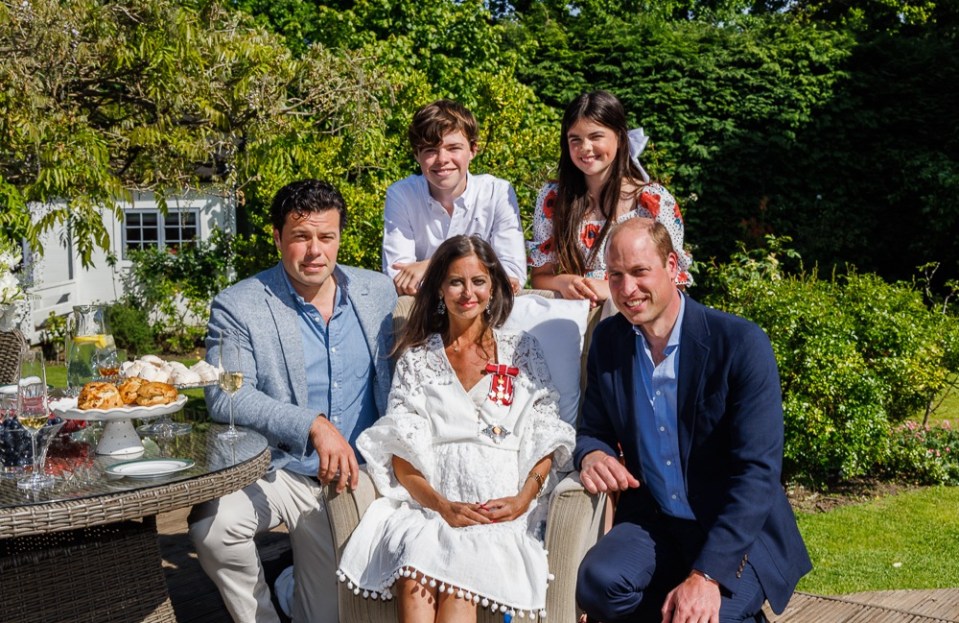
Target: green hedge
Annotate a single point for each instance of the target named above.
(856, 356)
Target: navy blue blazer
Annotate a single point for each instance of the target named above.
(730, 424)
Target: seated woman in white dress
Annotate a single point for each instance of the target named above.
(470, 436)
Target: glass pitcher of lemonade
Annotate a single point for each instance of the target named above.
(92, 354)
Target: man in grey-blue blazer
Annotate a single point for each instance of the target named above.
(312, 340)
(683, 415)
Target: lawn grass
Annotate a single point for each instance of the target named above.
(909, 540)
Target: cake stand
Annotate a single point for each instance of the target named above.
(119, 437)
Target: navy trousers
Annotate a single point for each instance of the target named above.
(626, 576)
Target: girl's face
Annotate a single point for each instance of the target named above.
(592, 148)
(467, 288)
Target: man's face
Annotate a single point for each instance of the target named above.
(445, 165)
(641, 287)
(308, 245)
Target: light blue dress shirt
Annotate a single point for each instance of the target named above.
(339, 370)
(656, 414)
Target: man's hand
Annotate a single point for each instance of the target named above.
(602, 473)
(696, 600)
(337, 459)
(408, 280)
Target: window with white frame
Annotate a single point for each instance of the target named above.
(144, 229)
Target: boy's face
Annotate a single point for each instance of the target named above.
(445, 165)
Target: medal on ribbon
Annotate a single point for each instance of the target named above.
(501, 387)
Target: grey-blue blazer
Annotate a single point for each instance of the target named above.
(273, 400)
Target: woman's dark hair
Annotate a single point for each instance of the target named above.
(572, 201)
(305, 197)
(425, 318)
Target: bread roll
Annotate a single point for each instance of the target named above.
(153, 393)
(96, 395)
(129, 388)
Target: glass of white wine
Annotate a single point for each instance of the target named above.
(231, 376)
(33, 414)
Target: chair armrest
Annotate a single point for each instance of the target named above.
(575, 522)
(345, 509)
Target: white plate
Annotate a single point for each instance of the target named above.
(149, 468)
(67, 409)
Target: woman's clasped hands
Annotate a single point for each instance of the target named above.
(463, 514)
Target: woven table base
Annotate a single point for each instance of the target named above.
(47, 578)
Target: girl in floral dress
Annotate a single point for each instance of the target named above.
(600, 183)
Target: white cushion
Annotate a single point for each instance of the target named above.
(559, 326)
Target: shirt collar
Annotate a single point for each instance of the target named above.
(462, 202)
(342, 287)
(677, 331)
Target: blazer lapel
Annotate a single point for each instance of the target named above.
(283, 309)
(693, 355)
(624, 381)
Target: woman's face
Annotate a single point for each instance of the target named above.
(467, 288)
(592, 148)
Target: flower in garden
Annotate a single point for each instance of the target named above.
(10, 289)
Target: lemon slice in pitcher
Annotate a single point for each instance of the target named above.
(99, 340)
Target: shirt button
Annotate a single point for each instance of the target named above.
(659, 393)
(674, 496)
(333, 349)
(662, 429)
(335, 385)
(668, 463)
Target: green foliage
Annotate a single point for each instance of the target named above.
(174, 288)
(854, 353)
(411, 53)
(104, 98)
(131, 327)
(781, 119)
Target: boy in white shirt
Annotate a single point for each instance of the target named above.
(446, 200)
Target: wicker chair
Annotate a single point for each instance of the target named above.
(575, 521)
(11, 345)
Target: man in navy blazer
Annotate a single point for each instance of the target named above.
(314, 339)
(682, 415)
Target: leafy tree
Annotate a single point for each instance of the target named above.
(98, 99)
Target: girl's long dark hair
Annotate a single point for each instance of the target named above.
(425, 318)
(572, 201)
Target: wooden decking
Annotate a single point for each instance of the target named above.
(196, 600)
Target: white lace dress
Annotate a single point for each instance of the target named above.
(436, 425)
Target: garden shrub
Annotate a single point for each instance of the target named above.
(923, 454)
(131, 327)
(855, 354)
(175, 287)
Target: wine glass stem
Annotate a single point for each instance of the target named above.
(37, 459)
(232, 427)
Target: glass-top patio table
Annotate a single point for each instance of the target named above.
(87, 550)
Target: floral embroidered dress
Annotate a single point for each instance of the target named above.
(654, 202)
(470, 447)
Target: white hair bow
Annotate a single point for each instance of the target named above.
(637, 143)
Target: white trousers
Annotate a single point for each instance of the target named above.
(222, 531)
